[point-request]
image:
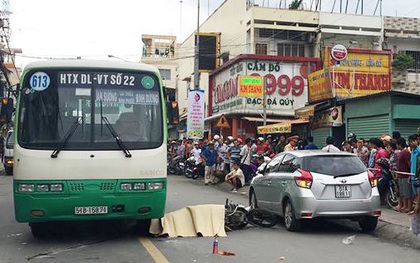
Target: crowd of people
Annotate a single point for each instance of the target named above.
(236, 159)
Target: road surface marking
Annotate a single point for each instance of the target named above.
(153, 250)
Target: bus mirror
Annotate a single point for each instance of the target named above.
(6, 110)
(173, 112)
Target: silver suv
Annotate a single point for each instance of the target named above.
(317, 184)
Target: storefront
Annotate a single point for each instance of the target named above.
(383, 113)
(286, 89)
(358, 76)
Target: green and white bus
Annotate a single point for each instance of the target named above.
(90, 142)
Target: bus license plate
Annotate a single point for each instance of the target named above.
(342, 191)
(90, 210)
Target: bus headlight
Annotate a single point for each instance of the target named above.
(126, 187)
(26, 187)
(155, 186)
(56, 188)
(139, 186)
(42, 188)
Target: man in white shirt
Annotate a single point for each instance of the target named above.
(236, 177)
(330, 145)
(246, 154)
(195, 152)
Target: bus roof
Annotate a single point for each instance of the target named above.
(87, 63)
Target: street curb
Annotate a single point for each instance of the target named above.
(400, 235)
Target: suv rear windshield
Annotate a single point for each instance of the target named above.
(334, 165)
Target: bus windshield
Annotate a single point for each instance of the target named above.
(52, 100)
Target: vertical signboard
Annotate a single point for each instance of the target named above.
(195, 121)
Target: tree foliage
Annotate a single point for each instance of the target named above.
(402, 62)
(295, 4)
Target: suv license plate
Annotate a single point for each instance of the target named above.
(90, 210)
(342, 191)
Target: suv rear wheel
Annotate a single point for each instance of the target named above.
(368, 223)
(290, 221)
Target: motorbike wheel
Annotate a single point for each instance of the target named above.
(195, 175)
(262, 218)
(237, 220)
(391, 198)
(171, 170)
(188, 172)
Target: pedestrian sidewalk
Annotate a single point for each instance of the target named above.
(393, 226)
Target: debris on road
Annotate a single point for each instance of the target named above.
(349, 240)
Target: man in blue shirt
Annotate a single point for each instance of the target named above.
(311, 145)
(415, 152)
(209, 156)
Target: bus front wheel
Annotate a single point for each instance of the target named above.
(38, 230)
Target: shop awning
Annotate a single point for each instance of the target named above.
(282, 127)
(256, 119)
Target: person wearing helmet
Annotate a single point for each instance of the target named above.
(216, 141)
(262, 148)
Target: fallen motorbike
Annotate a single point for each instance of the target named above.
(238, 216)
(235, 216)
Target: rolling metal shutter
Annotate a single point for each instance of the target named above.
(320, 135)
(406, 127)
(369, 127)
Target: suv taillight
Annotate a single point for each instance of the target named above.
(304, 180)
(372, 179)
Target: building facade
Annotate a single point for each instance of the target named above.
(283, 34)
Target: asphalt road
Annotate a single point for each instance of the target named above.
(117, 242)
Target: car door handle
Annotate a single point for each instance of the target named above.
(269, 182)
(283, 183)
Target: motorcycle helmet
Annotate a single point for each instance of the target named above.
(216, 137)
(351, 137)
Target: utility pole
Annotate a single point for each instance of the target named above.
(197, 50)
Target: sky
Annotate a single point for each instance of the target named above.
(94, 29)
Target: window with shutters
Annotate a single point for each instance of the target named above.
(261, 49)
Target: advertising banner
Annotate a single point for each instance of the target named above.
(286, 86)
(195, 121)
(331, 117)
(319, 86)
(251, 86)
(362, 73)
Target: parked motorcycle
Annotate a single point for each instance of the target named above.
(386, 184)
(198, 170)
(189, 167)
(175, 165)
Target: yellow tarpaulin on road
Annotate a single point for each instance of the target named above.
(191, 221)
(282, 127)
